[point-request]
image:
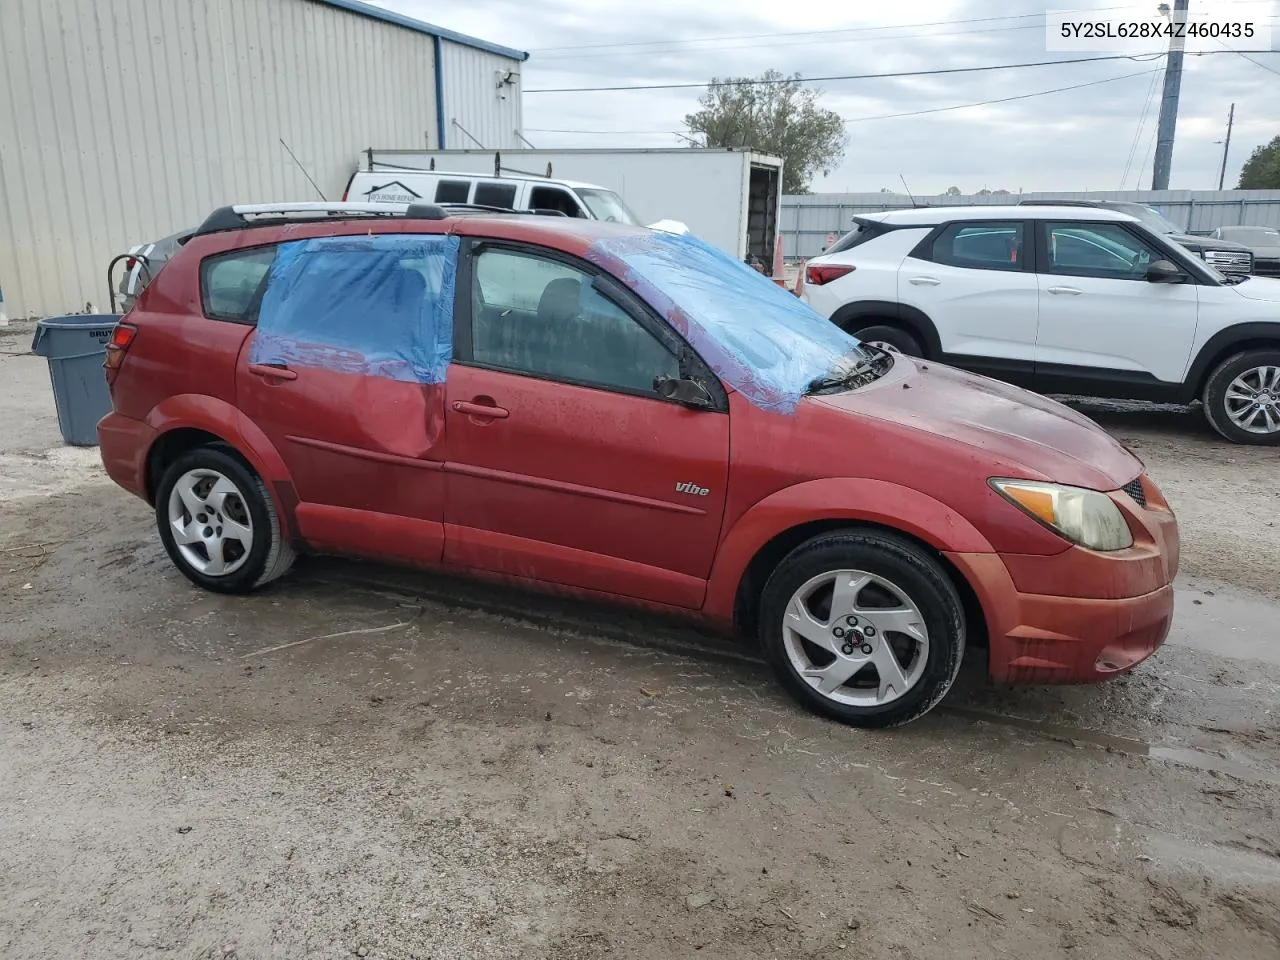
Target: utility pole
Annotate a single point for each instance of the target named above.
(1169, 102)
(1226, 145)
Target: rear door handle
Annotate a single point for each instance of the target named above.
(271, 371)
(1068, 291)
(924, 281)
(484, 411)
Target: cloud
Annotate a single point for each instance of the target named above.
(1074, 140)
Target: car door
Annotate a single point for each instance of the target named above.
(344, 374)
(973, 280)
(1104, 328)
(565, 465)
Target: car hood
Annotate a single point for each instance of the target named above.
(1020, 433)
(1266, 289)
(1206, 243)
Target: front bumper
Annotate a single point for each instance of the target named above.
(123, 444)
(1078, 616)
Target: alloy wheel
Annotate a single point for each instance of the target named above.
(1253, 400)
(855, 638)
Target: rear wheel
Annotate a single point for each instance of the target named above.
(863, 627)
(890, 338)
(1242, 397)
(219, 524)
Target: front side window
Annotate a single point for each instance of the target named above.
(553, 198)
(607, 205)
(229, 282)
(544, 318)
(994, 245)
(1105, 250)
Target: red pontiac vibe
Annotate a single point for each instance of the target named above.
(628, 415)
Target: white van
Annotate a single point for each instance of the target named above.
(388, 184)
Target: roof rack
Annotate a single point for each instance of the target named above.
(488, 208)
(242, 215)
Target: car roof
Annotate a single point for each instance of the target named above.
(272, 223)
(932, 216)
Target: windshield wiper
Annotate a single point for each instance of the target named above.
(862, 371)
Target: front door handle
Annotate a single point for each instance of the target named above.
(484, 411)
(271, 371)
(924, 281)
(1067, 291)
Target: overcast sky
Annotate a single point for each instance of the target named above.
(1080, 139)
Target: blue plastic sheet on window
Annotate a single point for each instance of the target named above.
(757, 338)
(378, 306)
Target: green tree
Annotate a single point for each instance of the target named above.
(776, 115)
(951, 192)
(1262, 170)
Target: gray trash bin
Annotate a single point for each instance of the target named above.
(76, 347)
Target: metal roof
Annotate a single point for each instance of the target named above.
(379, 13)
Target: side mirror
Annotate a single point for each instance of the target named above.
(1163, 271)
(688, 393)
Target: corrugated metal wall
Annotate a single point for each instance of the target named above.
(808, 219)
(474, 102)
(124, 120)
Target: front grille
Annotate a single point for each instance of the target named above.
(1230, 261)
(1134, 489)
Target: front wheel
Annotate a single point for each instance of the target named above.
(891, 339)
(1242, 397)
(219, 524)
(863, 627)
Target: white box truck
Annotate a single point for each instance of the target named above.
(729, 198)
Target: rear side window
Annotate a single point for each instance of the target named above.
(861, 233)
(496, 195)
(229, 283)
(452, 191)
(991, 245)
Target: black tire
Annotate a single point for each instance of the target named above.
(268, 558)
(918, 575)
(1215, 396)
(895, 337)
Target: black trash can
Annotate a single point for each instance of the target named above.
(76, 347)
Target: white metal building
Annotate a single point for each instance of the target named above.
(122, 121)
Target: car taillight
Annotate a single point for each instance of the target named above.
(819, 273)
(121, 340)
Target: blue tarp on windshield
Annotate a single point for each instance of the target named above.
(373, 305)
(759, 339)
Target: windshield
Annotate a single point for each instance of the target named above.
(607, 205)
(1151, 217)
(762, 341)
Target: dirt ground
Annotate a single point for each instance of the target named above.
(368, 762)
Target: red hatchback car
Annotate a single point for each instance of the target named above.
(627, 415)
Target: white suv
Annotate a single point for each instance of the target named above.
(1064, 300)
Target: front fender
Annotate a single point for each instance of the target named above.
(855, 500)
(198, 412)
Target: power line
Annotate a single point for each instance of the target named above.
(1020, 96)
(792, 33)
(1257, 63)
(1142, 122)
(773, 46)
(890, 116)
(814, 33)
(853, 76)
(1136, 58)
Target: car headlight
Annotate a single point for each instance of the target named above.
(1084, 517)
